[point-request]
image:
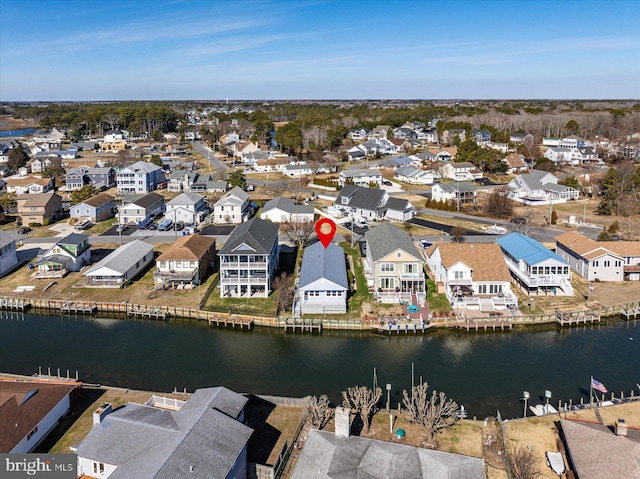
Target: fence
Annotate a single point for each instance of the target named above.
(504, 446)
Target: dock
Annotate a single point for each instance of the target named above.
(630, 313)
(573, 319)
(405, 327)
(13, 304)
(484, 324)
(303, 326)
(233, 321)
(151, 313)
(78, 308)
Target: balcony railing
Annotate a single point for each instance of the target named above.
(244, 280)
(412, 276)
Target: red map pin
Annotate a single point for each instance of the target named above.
(325, 229)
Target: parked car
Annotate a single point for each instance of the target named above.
(518, 220)
(24, 230)
(165, 225)
(179, 225)
(387, 183)
(121, 228)
(152, 226)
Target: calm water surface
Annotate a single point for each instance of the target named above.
(483, 371)
(16, 133)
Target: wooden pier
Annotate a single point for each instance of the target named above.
(573, 319)
(630, 313)
(405, 327)
(151, 313)
(71, 307)
(226, 321)
(302, 326)
(13, 304)
(484, 324)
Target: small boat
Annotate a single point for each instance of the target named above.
(542, 409)
(556, 462)
(495, 230)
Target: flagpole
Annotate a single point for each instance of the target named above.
(591, 391)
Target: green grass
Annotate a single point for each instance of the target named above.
(436, 301)
(250, 306)
(361, 294)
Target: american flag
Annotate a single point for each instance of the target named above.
(598, 386)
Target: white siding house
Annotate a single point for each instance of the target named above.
(123, 264)
(8, 256)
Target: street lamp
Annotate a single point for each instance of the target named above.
(525, 397)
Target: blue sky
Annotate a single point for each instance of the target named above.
(207, 50)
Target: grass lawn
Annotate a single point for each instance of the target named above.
(437, 301)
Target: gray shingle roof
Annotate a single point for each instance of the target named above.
(6, 239)
(459, 186)
(361, 197)
(147, 200)
(186, 198)
(326, 456)
(387, 238)
(147, 442)
(285, 204)
(255, 233)
(319, 262)
(397, 204)
(121, 259)
(75, 239)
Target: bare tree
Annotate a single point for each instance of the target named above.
(498, 203)
(362, 400)
(112, 119)
(283, 285)
(458, 233)
(523, 464)
(433, 412)
(299, 233)
(317, 411)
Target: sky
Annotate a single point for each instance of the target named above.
(82, 50)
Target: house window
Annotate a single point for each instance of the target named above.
(607, 264)
(178, 264)
(387, 283)
(410, 268)
(618, 263)
(482, 289)
(387, 268)
(458, 274)
(33, 431)
(595, 264)
(345, 201)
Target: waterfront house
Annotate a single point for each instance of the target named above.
(322, 284)
(164, 438)
(283, 209)
(40, 208)
(30, 411)
(188, 207)
(540, 187)
(535, 268)
(326, 452)
(139, 208)
(460, 192)
(248, 260)
(140, 177)
(8, 255)
(121, 265)
(473, 276)
(233, 208)
(365, 177)
(97, 208)
(393, 266)
(71, 253)
(188, 261)
(372, 204)
(600, 260)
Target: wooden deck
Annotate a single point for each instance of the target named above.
(13, 304)
(484, 324)
(406, 327)
(303, 326)
(573, 319)
(630, 313)
(71, 307)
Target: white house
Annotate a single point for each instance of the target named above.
(462, 192)
(140, 208)
(113, 136)
(140, 177)
(535, 268)
(121, 265)
(410, 174)
(187, 207)
(461, 171)
(233, 208)
(71, 253)
(297, 170)
(559, 154)
(361, 177)
(371, 204)
(322, 284)
(515, 163)
(473, 276)
(8, 256)
(540, 187)
(282, 209)
(28, 184)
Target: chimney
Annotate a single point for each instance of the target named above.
(621, 428)
(343, 422)
(100, 413)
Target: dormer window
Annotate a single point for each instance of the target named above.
(345, 200)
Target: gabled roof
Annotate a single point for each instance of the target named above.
(590, 249)
(147, 200)
(260, 235)
(534, 179)
(362, 197)
(285, 204)
(514, 160)
(485, 259)
(186, 198)
(236, 192)
(524, 248)
(74, 239)
(397, 204)
(358, 173)
(148, 442)
(37, 199)
(458, 186)
(327, 456)
(386, 238)
(98, 200)
(6, 239)
(327, 263)
(192, 247)
(144, 166)
(23, 405)
(123, 258)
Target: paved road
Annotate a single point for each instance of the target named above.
(212, 158)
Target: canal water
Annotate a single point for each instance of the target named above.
(483, 371)
(17, 133)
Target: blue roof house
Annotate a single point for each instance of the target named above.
(535, 268)
(322, 285)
